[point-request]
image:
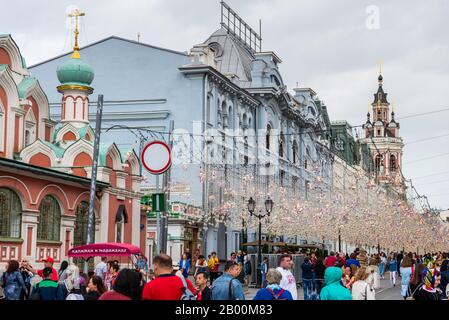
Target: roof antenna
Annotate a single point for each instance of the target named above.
(260, 33)
(138, 37)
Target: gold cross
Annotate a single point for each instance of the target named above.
(380, 66)
(75, 14)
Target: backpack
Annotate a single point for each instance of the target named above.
(278, 295)
(187, 294)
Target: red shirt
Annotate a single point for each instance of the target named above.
(330, 261)
(165, 287)
(112, 295)
(54, 274)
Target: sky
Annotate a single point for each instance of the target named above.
(333, 47)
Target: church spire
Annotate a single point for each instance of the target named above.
(75, 14)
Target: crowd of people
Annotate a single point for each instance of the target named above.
(357, 276)
(337, 277)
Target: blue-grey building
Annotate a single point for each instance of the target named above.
(225, 85)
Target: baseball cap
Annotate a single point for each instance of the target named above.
(49, 259)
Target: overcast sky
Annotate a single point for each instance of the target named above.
(332, 46)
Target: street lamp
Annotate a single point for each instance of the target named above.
(260, 216)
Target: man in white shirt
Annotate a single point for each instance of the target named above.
(101, 268)
(288, 281)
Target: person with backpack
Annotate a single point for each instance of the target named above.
(166, 285)
(227, 287)
(273, 290)
(13, 283)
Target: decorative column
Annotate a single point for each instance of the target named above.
(29, 234)
(67, 235)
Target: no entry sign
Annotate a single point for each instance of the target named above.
(156, 157)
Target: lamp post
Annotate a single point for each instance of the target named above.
(260, 216)
(339, 240)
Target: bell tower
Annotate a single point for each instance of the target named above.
(382, 137)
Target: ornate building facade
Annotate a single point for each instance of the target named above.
(45, 167)
(383, 139)
(225, 85)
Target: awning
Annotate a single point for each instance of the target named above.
(103, 250)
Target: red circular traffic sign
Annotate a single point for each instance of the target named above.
(156, 157)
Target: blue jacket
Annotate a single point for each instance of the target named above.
(393, 265)
(185, 267)
(353, 261)
(223, 289)
(13, 285)
(307, 273)
(265, 294)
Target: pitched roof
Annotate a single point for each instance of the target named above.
(107, 39)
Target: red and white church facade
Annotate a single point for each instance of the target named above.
(45, 167)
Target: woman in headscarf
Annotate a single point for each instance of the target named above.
(429, 290)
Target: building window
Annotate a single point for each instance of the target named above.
(120, 219)
(82, 214)
(282, 178)
(10, 214)
(49, 219)
(268, 137)
(294, 151)
(378, 132)
(392, 163)
(294, 184)
(281, 145)
(379, 163)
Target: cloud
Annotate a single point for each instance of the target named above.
(323, 44)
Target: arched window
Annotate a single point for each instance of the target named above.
(10, 214)
(49, 219)
(80, 236)
(392, 163)
(82, 214)
(379, 163)
(281, 145)
(268, 137)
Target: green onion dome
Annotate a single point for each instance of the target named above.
(75, 72)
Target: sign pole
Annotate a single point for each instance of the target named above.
(93, 181)
(158, 220)
(167, 187)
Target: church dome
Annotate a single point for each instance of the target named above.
(75, 71)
